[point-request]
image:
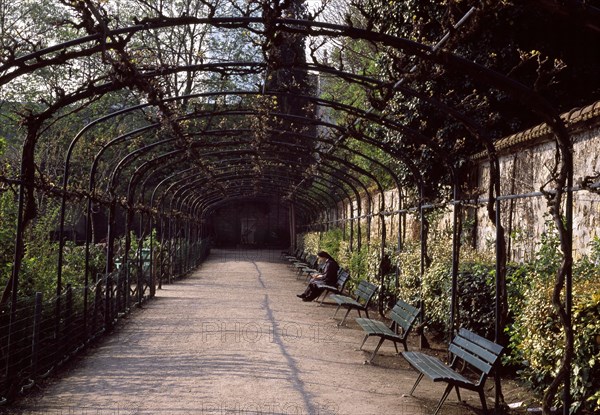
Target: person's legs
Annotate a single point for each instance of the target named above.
(312, 292)
(306, 292)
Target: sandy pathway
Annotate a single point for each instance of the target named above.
(234, 339)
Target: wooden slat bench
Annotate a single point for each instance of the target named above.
(403, 316)
(342, 279)
(359, 301)
(480, 353)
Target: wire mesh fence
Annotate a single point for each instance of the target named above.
(40, 334)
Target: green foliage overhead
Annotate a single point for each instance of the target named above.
(532, 44)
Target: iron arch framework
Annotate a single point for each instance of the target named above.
(172, 159)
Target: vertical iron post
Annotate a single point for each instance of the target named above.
(15, 280)
(35, 338)
(422, 340)
(569, 274)
(68, 330)
(455, 259)
(498, 305)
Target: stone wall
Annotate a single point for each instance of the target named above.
(526, 159)
(525, 162)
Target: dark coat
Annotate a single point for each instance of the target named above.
(330, 271)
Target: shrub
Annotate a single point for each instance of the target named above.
(330, 242)
(309, 241)
(357, 266)
(536, 337)
(476, 298)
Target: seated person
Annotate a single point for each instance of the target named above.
(327, 277)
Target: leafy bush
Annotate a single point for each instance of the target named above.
(476, 298)
(309, 241)
(409, 263)
(39, 267)
(8, 220)
(358, 266)
(536, 337)
(330, 242)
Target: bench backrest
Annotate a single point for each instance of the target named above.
(478, 351)
(365, 292)
(296, 254)
(312, 261)
(342, 279)
(404, 315)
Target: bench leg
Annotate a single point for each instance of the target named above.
(336, 310)
(444, 396)
(376, 349)
(363, 342)
(323, 296)
(458, 394)
(416, 383)
(344, 319)
(483, 404)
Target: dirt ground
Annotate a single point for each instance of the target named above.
(233, 339)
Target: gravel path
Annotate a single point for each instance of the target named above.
(233, 339)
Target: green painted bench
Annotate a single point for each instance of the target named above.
(295, 256)
(310, 267)
(342, 279)
(287, 255)
(403, 316)
(360, 300)
(298, 261)
(466, 347)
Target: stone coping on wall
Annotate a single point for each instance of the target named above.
(573, 119)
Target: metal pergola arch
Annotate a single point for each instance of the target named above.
(129, 197)
(443, 58)
(154, 125)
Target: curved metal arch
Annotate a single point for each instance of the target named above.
(219, 153)
(412, 46)
(211, 195)
(168, 190)
(160, 157)
(342, 131)
(355, 152)
(334, 30)
(151, 127)
(238, 152)
(381, 120)
(361, 138)
(311, 202)
(239, 143)
(137, 107)
(304, 202)
(326, 195)
(288, 161)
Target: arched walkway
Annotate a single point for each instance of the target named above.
(233, 339)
